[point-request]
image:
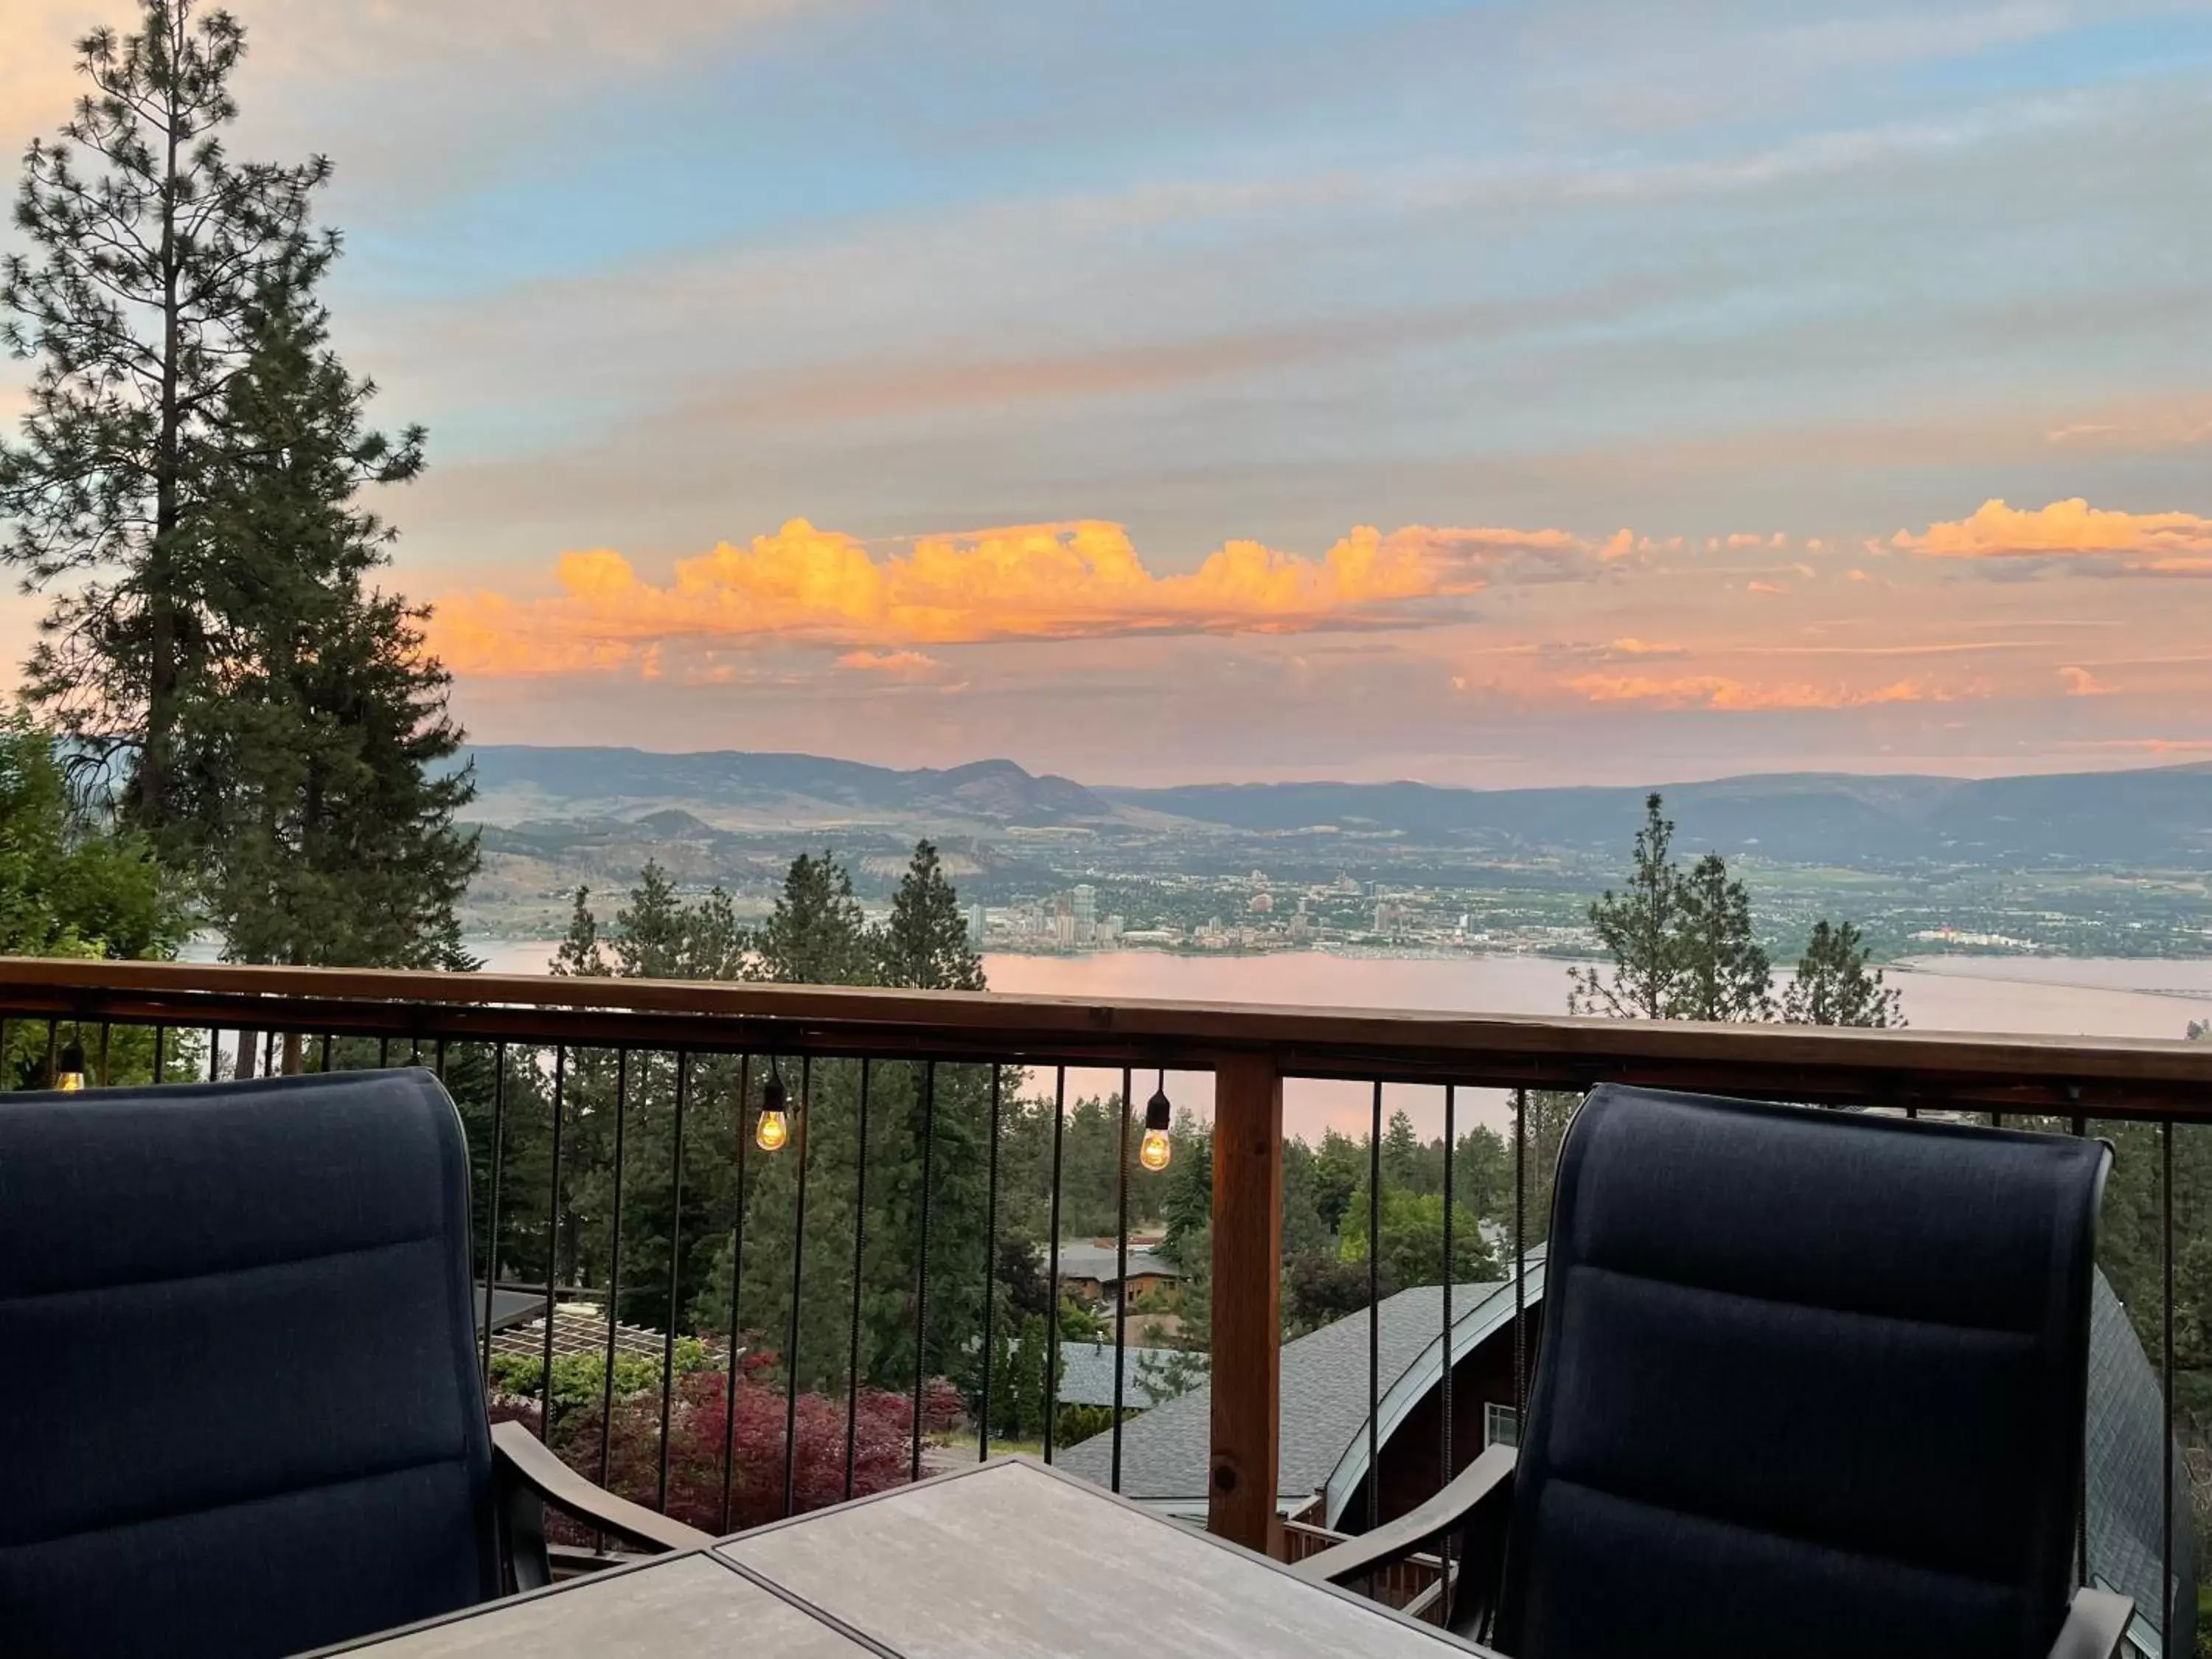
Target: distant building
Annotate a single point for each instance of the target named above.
(1261, 904)
(1090, 1270)
(975, 923)
(1084, 904)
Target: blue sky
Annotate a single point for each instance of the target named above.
(667, 277)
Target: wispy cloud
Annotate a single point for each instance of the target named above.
(1719, 692)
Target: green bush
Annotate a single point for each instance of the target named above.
(579, 1379)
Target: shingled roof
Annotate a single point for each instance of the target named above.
(1166, 1452)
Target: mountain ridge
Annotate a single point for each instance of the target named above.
(2153, 817)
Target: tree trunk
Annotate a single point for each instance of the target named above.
(155, 760)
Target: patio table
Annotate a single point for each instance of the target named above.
(1008, 1558)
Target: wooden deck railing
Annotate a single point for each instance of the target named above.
(1249, 1051)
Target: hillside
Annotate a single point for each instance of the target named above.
(730, 790)
(2159, 818)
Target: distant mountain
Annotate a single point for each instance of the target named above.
(2157, 818)
(2146, 818)
(728, 789)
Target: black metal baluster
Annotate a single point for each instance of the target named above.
(737, 1288)
(215, 1055)
(990, 1272)
(1121, 1272)
(552, 1247)
(1374, 1308)
(53, 1040)
(161, 1043)
(1052, 1268)
(1519, 1258)
(614, 1275)
(2167, 1587)
(498, 1169)
(104, 1035)
(922, 1259)
(859, 1266)
(675, 1263)
(383, 1052)
(1444, 1399)
(798, 1267)
(438, 1060)
(327, 1040)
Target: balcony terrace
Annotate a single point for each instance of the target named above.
(618, 1177)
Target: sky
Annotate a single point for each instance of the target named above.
(1550, 392)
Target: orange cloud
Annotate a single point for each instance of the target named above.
(1718, 692)
(2147, 543)
(1636, 647)
(2080, 683)
(1054, 582)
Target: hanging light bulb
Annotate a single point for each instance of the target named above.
(773, 1128)
(70, 1078)
(1154, 1151)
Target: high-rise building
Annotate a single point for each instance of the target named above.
(1083, 902)
(975, 925)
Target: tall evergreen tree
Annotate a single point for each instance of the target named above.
(148, 249)
(1722, 970)
(926, 944)
(1638, 929)
(315, 794)
(816, 935)
(1835, 987)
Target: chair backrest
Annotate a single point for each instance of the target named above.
(242, 1407)
(1809, 1383)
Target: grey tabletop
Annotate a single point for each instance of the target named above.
(1008, 1558)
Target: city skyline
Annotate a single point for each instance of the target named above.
(1499, 396)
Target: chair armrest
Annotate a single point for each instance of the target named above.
(529, 1476)
(1489, 1478)
(2094, 1625)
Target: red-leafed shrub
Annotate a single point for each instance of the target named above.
(712, 1427)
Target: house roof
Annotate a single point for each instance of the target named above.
(508, 1308)
(1489, 1313)
(1086, 1374)
(2127, 1422)
(1080, 1259)
(1166, 1452)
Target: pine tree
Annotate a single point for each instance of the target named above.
(926, 944)
(149, 248)
(816, 935)
(1723, 971)
(314, 790)
(1835, 987)
(1638, 930)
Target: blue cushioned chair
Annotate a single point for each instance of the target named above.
(239, 1375)
(1809, 1383)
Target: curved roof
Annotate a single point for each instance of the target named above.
(1489, 1312)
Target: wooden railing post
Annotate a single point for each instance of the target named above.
(1247, 1267)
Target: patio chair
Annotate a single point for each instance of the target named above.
(244, 1407)
(1809, 1383)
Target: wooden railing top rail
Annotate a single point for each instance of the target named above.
(2105, 1076)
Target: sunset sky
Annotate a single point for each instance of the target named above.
(1569, 391)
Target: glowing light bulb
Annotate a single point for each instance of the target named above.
(70, 1076)
(773, 1128)
(1155, 1150)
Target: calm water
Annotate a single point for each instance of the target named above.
(2083, 997)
